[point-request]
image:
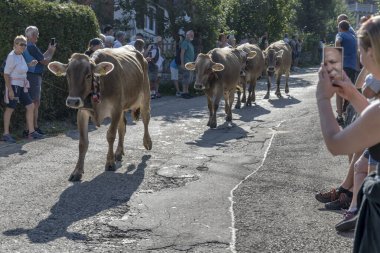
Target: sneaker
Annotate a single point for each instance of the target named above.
(178, 94)
(8, 138)
(186, 95)
(343, 202)
(35, 135)
(325, 197)
(348, 223)
(25, 133)
(340, 120)
(38, 130)
(153, 96)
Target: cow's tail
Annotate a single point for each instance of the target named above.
(136, 114)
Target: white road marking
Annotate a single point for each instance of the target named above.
(231, 198)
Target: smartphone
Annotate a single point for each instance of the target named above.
(333, 61)
(52, 41)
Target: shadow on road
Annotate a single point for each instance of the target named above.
(249, 113)
(219, 136)
(284, 101)
(83, 200)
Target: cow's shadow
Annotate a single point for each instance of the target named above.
(84, 200)
(249, 113)
(283, 102)
(220, 135)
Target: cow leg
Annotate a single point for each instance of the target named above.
(210, 109)
(121, 132)
(278, 80)
(215, 107)
(229, 96)
(269, 84)
(244, 98)
(286, 81)
(82, 122)
(254, 81)
(251, 93)
(145, 115)
(111, 135)
(238, 103)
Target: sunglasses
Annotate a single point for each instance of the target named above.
(21, 44)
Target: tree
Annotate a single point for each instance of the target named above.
(251, 18)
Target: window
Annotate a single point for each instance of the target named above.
(150, 20)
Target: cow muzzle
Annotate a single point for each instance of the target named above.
(74, 102)
(199, 86)
(270, 69)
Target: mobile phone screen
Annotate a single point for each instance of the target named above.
(52, 41)
(333, 61)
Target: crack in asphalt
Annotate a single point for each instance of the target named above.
(231, 198)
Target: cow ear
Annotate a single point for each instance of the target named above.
(280, 53)
(251, 55)
(265, 53)
(57, 68)
(103, 68)
(190, 66)
(217, 67)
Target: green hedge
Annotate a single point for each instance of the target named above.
(72, 25)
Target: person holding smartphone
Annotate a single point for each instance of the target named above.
(34, 74)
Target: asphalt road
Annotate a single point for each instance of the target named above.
(244, 187)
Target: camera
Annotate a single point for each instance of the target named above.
(52, 41)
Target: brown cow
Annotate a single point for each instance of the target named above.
(107, 84)
(217, 73)
(278, 59)
(254, 67)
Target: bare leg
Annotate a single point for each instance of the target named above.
(7, 119)
(29, 115)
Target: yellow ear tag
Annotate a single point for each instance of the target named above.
(59, 73)
(102, 72)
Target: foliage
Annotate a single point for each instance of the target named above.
(251, 18)
(206, 18)
(72, 25)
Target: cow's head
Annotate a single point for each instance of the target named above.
(205, 70)
(273, 59)
(80, 73)
(245, 58)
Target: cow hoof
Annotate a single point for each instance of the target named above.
(266, 96)
(237, 106)
(243, 100)
(148, 144)
(287, 91)
(213, 125)
(279, 95)
(110, 167)
(118, 157)
(75, 177)
(229, 118)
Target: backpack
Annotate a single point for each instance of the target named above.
(177, 58)
(157, 56)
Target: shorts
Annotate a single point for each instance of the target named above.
(20, 96)
(152, 72)
(371, 161)
(187, 77)
(35, 81)
(174, 74)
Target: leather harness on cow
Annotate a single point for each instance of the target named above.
(95, 93)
